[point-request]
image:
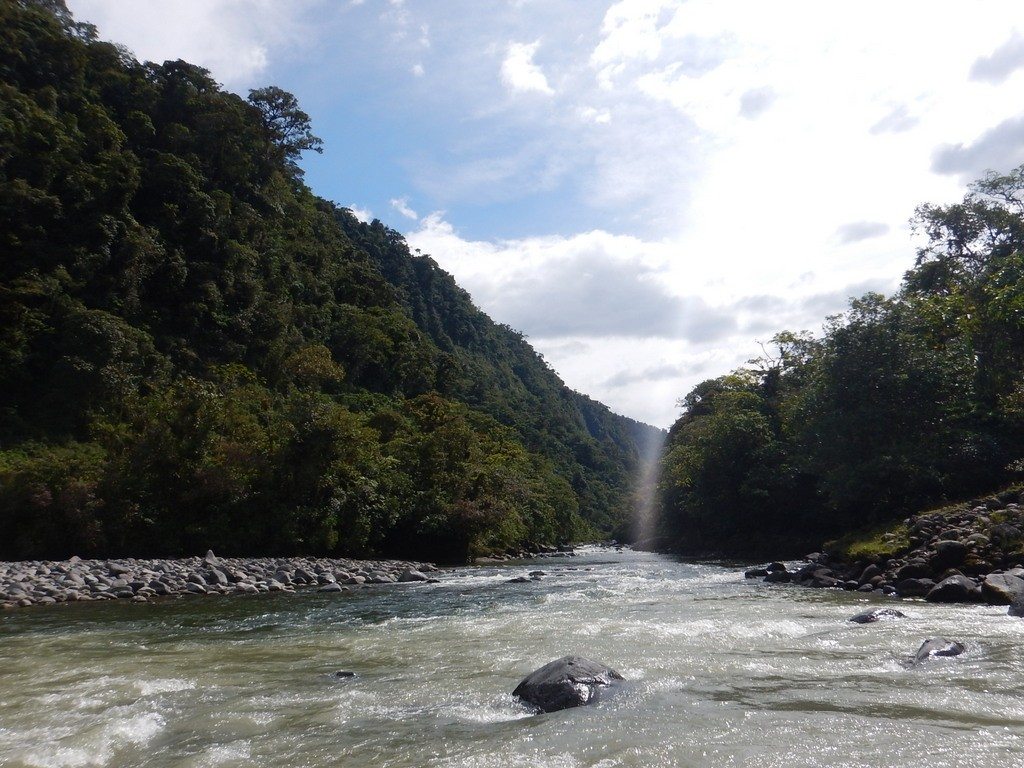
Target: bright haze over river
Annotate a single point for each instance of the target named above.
(721, 672)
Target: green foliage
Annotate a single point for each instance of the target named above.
(287, 125)
(727, 471)
(49, 499)
(196, 351)
(888, 540)
(901, 403)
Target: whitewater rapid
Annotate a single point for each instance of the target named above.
(720, 672)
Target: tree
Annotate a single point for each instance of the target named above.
(59, 8)
(973, 267)
(288, 126)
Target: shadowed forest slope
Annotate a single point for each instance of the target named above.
(196, 351)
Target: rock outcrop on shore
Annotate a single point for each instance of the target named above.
(968, 554)
(28, 583)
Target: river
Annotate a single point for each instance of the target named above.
(721, 672)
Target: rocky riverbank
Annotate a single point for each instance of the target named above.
(539, 551)
(961, 554)
(24, 584)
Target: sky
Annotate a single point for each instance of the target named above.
(648, 189)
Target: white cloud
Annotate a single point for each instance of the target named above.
(234, 39)
(999, 148)
(417, 70)
(896, 120)
(593, 115)
(755, 101)
(856, 231)
(401, 204)
(1004, 61)
(631, 31)
(363, 214)
(520, 73)
(601, 307)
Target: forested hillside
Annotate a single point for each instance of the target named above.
(901, 403)
(196, 351)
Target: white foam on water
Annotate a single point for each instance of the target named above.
(718, 576)
(485, 713)
(233, 753)
(58, 757)
(73, 700)
(360, 705)
(98, 747)
(163, 685)
(506, 759)
(406, 622)
(786, 628)
(138, 729)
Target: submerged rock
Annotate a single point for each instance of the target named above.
(571, 681)
(938, 646)
(878, 614)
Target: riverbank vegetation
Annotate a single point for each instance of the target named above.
(196, 351)
(903, 402)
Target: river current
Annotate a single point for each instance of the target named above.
(721, 672)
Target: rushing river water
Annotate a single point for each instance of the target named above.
(721, 672)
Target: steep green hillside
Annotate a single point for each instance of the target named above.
(196, 351)
(493, 368)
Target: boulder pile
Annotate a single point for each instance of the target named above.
(28, 583)
(968, 554)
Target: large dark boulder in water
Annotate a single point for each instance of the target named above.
(938, 646)
(1017, 607)
(567, 682)
(914, 587)
(955, 589)
(870, 617)
(1002, 588)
